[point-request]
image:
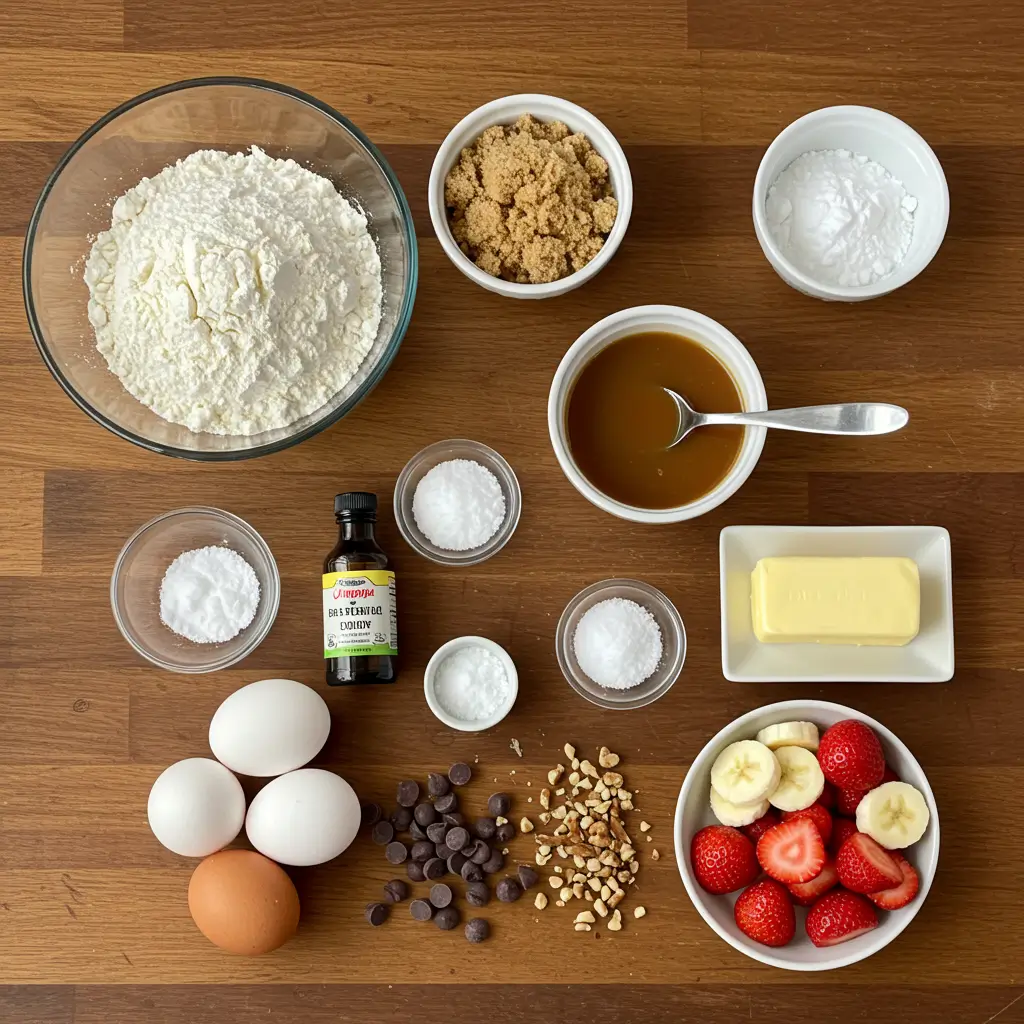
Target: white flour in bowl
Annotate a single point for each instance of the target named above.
(234, 293)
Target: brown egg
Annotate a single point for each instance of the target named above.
(243, 902)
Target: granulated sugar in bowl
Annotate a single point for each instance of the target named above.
(618, 643)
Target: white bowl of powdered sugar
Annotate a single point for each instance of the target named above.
(849, 203)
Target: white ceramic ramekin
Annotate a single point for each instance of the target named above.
(888, 141)
(506, 111)
(725, 346)
(429, 674)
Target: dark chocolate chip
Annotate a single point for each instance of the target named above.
(422, 851)
(457, 838)
(434, 869)
(455, 862)
(495, 864)
(425, 814)
(485, 827)
(499, 804)
(416, 832)
(442, 851)
(472, 872)
(477, 894)
(477, 930)
(481, 852)
(454, 820)
(395, 891)
(460, 773)
(401, 818)
(445, 804)
(527, 876)
(441, 895)
(383, 832)
(408, 793)
(504, 833)
(446, 919)
(396, 853)
(437, 784)
(437, 832)
(371, 814)
(507, 890)
(421, 910)
(377, 913)
(414, 871)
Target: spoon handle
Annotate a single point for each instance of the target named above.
(847, 418)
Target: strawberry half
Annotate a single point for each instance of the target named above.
(851, 756)
(902, 894)
(847, 800)
(842, 829)
(838, 917)
(764, 913)
(805, 893)
(818, 815)
(792, 851)
(756, 829)
(865, 867)
(723, 859)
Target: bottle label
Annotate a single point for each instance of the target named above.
(360, 614)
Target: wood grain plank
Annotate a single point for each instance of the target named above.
(37, 1004)
(21, 525)
(44, 24)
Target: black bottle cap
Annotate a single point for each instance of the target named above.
(357, 502)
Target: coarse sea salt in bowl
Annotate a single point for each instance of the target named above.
(673, 640)
(446, 451)
(460, 678)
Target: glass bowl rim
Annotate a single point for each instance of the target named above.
(231, 455)
(273, 592)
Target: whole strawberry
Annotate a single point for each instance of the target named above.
(865, 867)
(723, 859)
(838, 917)
(764, 912)
(851, 756)
(756, 829)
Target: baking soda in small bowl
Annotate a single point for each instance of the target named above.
(470, 683)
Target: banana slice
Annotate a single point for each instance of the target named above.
(736, 815)
(745, 772)
(789, 734)
(802, 781)
(894, 814)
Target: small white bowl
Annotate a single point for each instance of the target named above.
(429, 674)
(693, 812)
(886, 140)
(506, 111)
(725, 346)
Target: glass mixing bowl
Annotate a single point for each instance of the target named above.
(140, 138)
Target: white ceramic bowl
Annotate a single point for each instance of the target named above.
(726, 347)
(430, 673)
(506, 111)
(886, 140)
(693, 812)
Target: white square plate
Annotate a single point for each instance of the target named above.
(928, 658)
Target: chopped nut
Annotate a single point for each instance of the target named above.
(544, 816)
(545, 798)
(627, 805)
(594, 883)
(593, 865)
(565, 894)
(606, 759)
(586, 821)
(516, 747)
(525, 825)
(644, 827)
(560, 791)
(639, 911)
(560, 850)
(623, 876)
(627, 853)
(600, 907)
(584, 850)
(499, 820)
(655, 855)
(606, 891)
(540, 901)
(623, 794)
(580, 808)
(570, 751)
(631, 881)
(558, 870)
(559, 903)
(602, 807)
(615, 922)
(577, 890)
(555, 774)
(609, 857)
(634, 866)
(558, 812)
(574, 778)
(605, 872)
(582, 927)
(584, 917)
(574, 763)
(554, 881)
(612, 779)
(589, 769)
(578, 861)
(589, 897)
(542, 859)
(603, 792)
(562, 829)
(615, 899)
(613, 883)
(584, 783)
(544, 848)
(579, 877)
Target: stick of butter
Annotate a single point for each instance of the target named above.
(863, 601)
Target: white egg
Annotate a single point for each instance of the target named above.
(196, 807)
(270, 727)
(304, 817)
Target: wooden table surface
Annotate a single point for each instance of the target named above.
(93, 919)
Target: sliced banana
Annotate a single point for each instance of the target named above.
(894, 814)
(745, 772)
(789, 734)
(736, 815)
(801, 782)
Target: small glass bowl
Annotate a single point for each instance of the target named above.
(139, 571)
(418, 467)
(673, 636)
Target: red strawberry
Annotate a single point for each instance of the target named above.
(723, 859)
(842, 829)
(838, 917)
(864, 866)
(851, 756)
(847, 800)
(902, 894)
(793, 851)
(828, 797)
(818, 815)
(805, 893)
(758, 828)
(764, 912)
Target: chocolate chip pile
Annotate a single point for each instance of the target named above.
(440, 843)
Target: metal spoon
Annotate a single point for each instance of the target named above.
(856, 418)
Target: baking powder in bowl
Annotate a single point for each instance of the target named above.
(458, 505)
(840, 217)
(618, 643)
(471, 684)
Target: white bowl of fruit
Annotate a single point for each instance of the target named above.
(807, 835)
